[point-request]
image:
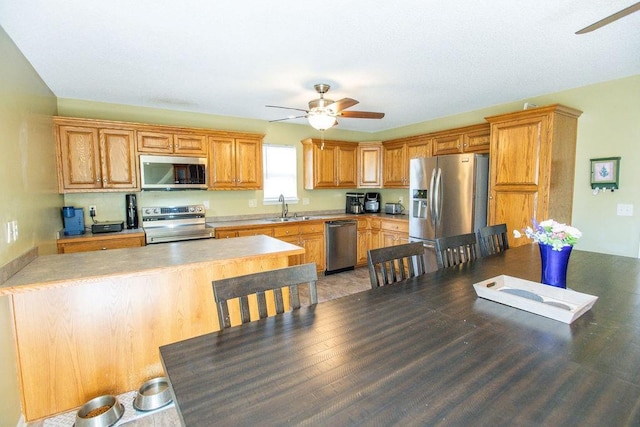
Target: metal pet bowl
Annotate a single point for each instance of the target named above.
(102, 411)
(153, 394)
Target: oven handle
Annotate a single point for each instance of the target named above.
(167, 239)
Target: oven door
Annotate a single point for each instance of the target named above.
(176, 234)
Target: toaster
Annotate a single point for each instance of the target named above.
(393, 208)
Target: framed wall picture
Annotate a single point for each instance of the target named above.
(605, 173)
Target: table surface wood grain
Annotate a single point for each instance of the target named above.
(427, 351)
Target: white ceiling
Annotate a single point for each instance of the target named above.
(415, 60)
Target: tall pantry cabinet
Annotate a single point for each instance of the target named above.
(532, 166)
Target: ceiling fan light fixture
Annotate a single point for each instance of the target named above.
(321, 120)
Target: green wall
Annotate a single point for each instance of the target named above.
(28, 190)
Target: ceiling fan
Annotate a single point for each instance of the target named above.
(323, 112)
(609, 19)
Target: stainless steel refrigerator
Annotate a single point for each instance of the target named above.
(448, 196)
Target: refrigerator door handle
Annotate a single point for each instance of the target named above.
(438, 196)
(432, 213)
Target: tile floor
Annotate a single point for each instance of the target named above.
(329, 287)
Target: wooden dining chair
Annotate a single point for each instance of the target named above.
(395, 263)
(454, 250)
(258, 283)
(493, 239)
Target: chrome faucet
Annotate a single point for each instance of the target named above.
(285, 208)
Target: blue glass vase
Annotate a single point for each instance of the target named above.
(554, 265)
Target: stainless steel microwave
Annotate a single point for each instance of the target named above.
(173, 173)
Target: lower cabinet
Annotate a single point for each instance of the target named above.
(310, 236)
(93, 242)
(393, 232)
(364, 241)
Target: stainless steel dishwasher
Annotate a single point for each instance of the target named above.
(341, 245)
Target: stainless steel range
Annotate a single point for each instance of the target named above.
(175, 223)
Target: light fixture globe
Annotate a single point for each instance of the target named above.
(321, 120)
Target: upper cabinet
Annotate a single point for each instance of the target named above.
(329, 164)
(532, 165)
(94, 155)
(235, 162)
(462, 140)
(395, 159)
(369, 165)
(180, 142)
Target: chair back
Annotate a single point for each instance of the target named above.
(454, 250)
(493, 239)
(395, 263)
(257, 284)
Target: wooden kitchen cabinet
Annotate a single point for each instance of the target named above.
(94, 155)
(329, 164)
(101, 242)
(363, 242)
(369, 165)
(169, 142)
(469, 139)
(532, 166)
(394, 232)
(235, 162)
(310, 236)
(396, 155)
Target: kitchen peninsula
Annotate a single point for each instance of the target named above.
(90, 323)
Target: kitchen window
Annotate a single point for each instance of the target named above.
(280, 173)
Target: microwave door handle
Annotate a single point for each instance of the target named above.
(438, 196)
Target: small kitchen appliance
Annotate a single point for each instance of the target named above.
(107, 227)
(73, 219)
(393, 208)
(372, 202)
(355, 203)
(131, 205)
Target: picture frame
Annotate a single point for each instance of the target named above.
(605, 173)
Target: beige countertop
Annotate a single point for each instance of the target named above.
(61, 270)
(89, 235)
(265, 222)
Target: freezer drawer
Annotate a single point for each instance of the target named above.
(341, 245)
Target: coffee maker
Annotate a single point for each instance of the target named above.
(372, 202)
(131, 206)
(73, 219)
(355, 203)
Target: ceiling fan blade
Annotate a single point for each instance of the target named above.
(288, 118)
(361, 115)
(287, 108)
(609, 19)
(342, 104)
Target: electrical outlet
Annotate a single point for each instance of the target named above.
(305, 200)
(400, 200)
(624, 209)
(206, 204)
(92, 210)
(14, 225)
(253, 203)
(9, 233)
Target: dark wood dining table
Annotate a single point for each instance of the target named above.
(426, 351)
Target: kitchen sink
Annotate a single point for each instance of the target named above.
(289, 219)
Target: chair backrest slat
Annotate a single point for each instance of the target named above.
(493, 239)
(454, 250)
(395, 263)
(258, 283)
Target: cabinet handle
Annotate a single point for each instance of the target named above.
(103, 249)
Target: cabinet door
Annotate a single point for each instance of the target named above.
(324, 166)
(314, 250)
(477, 142)
(346, 167)
(190, 144)
(369, 166)
(222, 169)
(155, 142)
(447, 144)
(118, 159)
(416, 150)
(514, 173)
(78, 152)
(395, 173)
(226, 234)
(248, 160)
